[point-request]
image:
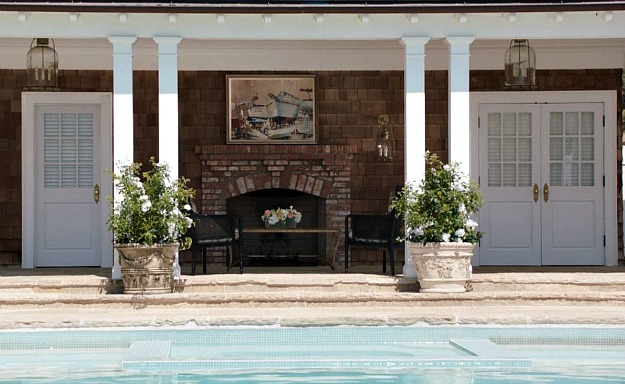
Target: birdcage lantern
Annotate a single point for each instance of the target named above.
(42, 65)
(520, 65)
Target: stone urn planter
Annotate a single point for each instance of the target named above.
(147, 269)
(442, 267)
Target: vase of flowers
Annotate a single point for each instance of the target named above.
(149, 220)
(281, 218)
(440, 230)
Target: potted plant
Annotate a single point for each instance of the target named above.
(439, 229)
(149, 220)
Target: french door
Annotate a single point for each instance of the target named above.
(542, 178)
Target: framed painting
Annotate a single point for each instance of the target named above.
(272, 109)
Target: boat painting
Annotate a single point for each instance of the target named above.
(271, 109)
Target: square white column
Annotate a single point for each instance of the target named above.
(459, 102)
(122, 115)
(168, 102)
(414, 123)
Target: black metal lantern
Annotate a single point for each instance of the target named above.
(520, 64)
(385, 146)
(42, 65)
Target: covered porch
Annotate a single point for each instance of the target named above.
(166, 72)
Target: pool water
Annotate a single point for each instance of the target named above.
(339, 354)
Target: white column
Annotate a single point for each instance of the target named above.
(122, 114)
(414, 122)
(168, 111)
(168, 102)
(459, 103)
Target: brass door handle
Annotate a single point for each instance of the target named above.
(535, 192)
(96, 193)
(546, 192)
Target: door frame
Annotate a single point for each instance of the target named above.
(609, 100)
(30, 101)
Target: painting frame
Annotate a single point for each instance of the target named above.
(271, 109)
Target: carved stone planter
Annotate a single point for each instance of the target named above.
(442, 267)
(147, 269)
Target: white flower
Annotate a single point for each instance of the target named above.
(187, 207)
(447, 167)
(272, 220)
(462, 209)
(472, 224)
(143, 197)
(146, 205)
(446, 237)
(417, 231)
(459, 233)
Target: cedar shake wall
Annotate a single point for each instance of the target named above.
(348, 105)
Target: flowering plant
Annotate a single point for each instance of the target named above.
(439, 209)
(152, 211)
(281, 217)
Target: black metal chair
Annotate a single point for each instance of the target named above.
(374, 231)
(209, 231)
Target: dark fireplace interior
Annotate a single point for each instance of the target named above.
(267, 249)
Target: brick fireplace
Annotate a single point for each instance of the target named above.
(323, 171)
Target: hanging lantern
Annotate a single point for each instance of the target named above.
(520, 64)
(42, 65)
(385, 146)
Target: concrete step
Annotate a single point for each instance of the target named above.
(316, 290)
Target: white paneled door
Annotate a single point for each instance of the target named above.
(66, 181)
(542, 178)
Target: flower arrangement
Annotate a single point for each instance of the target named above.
(280, 217)
(152, 211)
(439, 209)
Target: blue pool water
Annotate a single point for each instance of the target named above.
(339, 354)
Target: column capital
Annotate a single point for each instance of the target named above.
(415, 45)
(122, 44)
(167, 45)
(459, 44)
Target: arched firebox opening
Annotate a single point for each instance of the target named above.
(280, 249)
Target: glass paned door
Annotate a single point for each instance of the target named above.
(540, 175)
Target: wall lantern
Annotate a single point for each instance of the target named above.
(42, 65)
(385, 146)
(520, 65)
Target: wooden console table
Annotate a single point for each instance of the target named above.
(335, 244)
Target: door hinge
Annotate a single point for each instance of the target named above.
(478, 181)
(603, 241)
(603, 181)
(603, 121)
(478, 122)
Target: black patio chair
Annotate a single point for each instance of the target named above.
(209, 231)
(374, 231)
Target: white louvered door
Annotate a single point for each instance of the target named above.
(67, 214)
(541, 178)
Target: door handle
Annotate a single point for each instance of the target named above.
(546, 192)
(535, 192)
(96, 193)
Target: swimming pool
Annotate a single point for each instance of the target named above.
(341, 354)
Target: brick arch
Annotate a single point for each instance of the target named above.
(297, 181)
